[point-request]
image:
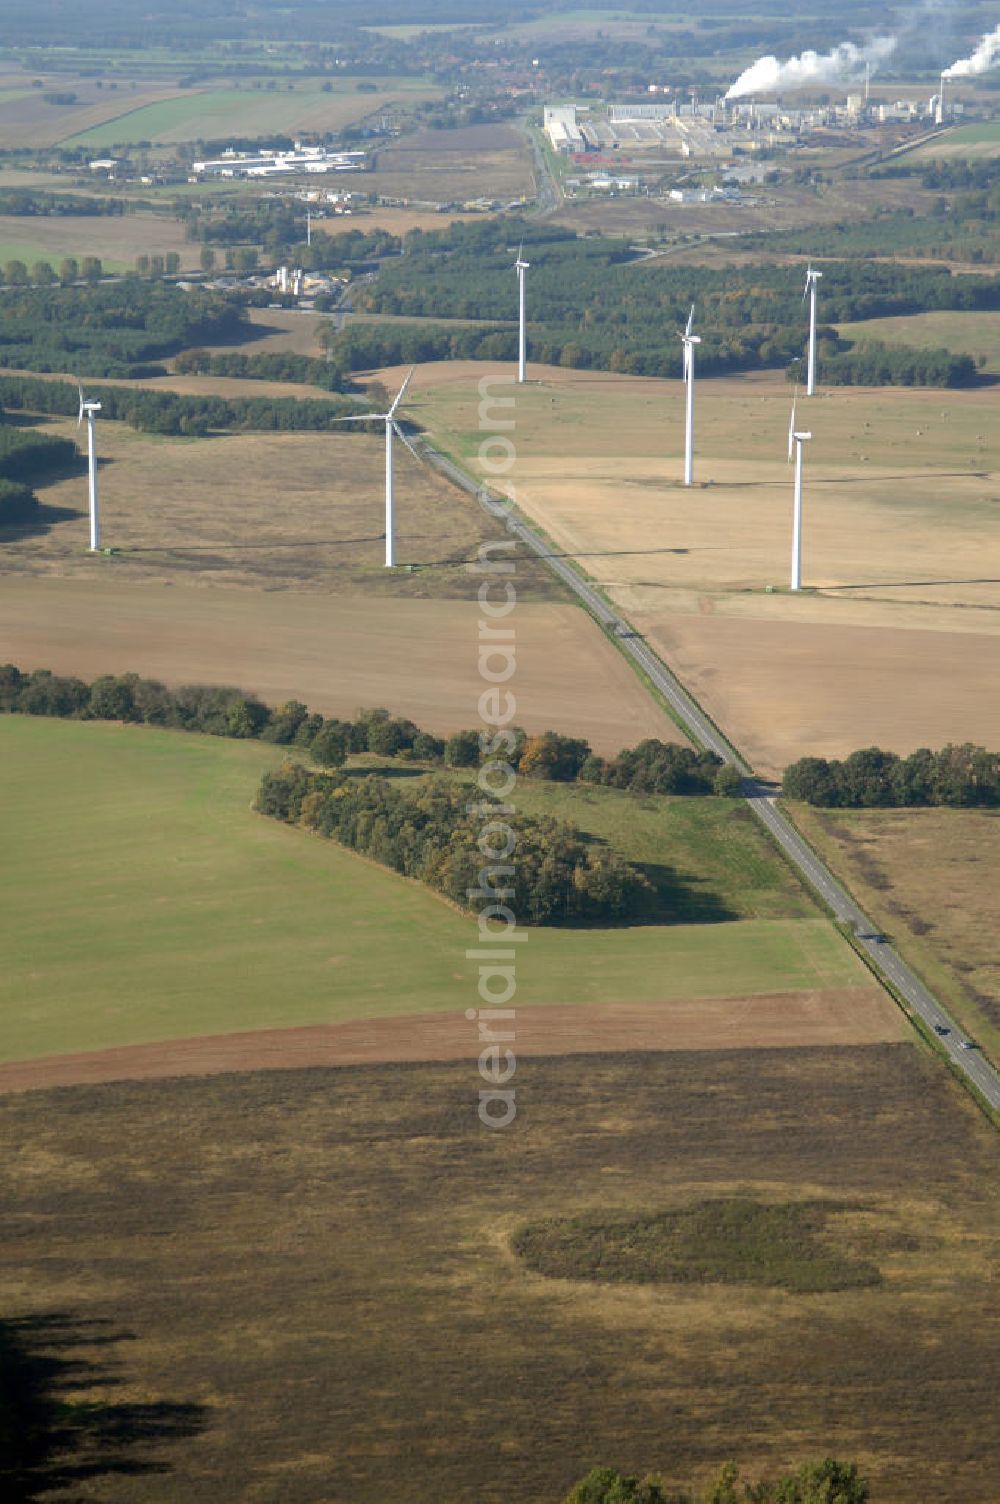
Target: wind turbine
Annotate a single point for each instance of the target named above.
(521, 266)
(812, 277)
(690, 340)
(796, 439)
(87, 410)
(391, 428)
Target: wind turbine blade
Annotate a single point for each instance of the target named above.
(362, 418)
(401, 435)
(791, 433)
(690, 322)
(401, 393)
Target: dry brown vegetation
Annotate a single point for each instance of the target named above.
(302, 511)
(27, 119)
(896, 639)
(481, 161)
(116, 239)
(334, 651)
(318, 1269)
(931, 878)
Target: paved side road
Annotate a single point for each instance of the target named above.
(761, 800)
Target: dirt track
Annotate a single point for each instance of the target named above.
(833, 1016)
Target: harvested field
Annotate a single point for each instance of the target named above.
(280, 330)
(272, 511)
(335, 652)
(116, 239)
(902, 524)
(27, 119)
(781, 1020)
(142, 900)
(480, 161)
(930, 877)
(399, 221)
(979, 140)
(817, 688)
(776, 207)
(313, 1270)
(210, 114)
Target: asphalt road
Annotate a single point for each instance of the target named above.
(762, 801)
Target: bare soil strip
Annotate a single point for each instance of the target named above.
(830, 1016)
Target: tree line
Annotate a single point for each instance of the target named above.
(865, 362)
(33, 203)
(17, 273)
(171, 413)
(282, 365)
(651, 767)
(557, 877)
(961, 776)
(25, 457)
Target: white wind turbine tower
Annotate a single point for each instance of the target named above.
(812, 277)
(796, 439)
(690, 340)
(87, 410)
(391, 428)
(521, 266)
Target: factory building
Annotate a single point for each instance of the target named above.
(564, 134)
(302, 159)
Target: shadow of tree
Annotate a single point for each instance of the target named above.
(50, 1440)
(42, 522)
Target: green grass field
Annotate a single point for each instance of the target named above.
(981, 139)
(975, 334)
(215, 113)
(142, 899)
(29, 252)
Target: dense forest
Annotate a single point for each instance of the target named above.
(115, 329)
(601, 308)
(961, 228)
(961, 776)
(170, 413)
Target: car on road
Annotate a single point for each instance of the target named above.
(941, 1029)
(967, 1044)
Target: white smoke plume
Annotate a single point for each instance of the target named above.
(768, 76)
(984, 57)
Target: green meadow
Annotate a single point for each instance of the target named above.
(210, 114)
(976, 334)
(141, 899)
